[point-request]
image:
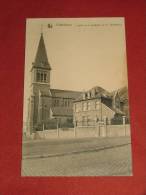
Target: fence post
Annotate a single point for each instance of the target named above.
(57, 129)
(124, 123)
(105, 125)
(105, 129)
(43, 127)
(43, 131)
(75, 133)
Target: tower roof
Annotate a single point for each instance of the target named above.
(41, 59)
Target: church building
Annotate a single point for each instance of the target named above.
(46, 104)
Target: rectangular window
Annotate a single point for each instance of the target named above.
(76, 108)
(96, 118)
(97, 105)
(84, 120)
(89, 120)
(56, 103)
(84, 106)
(89, 105)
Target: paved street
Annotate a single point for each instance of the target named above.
(80, 157)
(60, 146)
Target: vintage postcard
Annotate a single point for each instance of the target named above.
(76, 119)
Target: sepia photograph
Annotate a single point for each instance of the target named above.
(76, 119)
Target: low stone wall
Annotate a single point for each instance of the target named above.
(86, 131)
(118, 130)
(94, 131)
(104, 131)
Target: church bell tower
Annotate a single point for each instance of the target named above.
(40, 83)
(40, 71)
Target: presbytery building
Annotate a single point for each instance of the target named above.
(99, 105)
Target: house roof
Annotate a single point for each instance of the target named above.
(41, 59)
(116, 110)
(100, 92)
(58, 111)
(65, 93)
(95, 92)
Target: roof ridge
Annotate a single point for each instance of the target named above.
(66, 90)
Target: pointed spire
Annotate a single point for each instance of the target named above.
(41, 29)
(41, 59)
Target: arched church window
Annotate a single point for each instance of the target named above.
(45, 77)
(65, 103)
(41, 77)
(57, 102)
(38, 76)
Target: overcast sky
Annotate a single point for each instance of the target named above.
(83, 53)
